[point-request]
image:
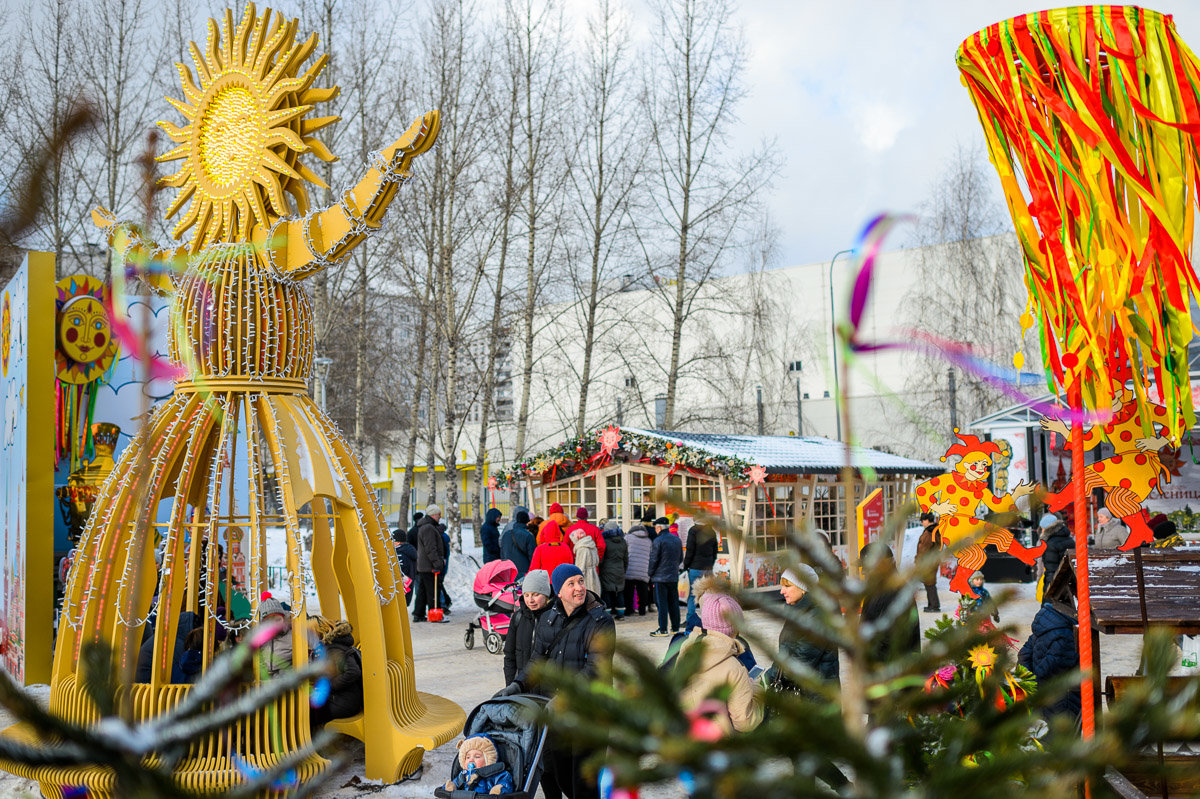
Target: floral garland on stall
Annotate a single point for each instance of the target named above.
(602, 446)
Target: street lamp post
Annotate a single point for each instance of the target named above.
(837, 393)
(321, 374)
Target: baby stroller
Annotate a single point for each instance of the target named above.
(508, 722)
(497, 594)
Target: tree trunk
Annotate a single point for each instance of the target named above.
(589, 332)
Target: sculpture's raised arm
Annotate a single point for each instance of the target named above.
(300, 246)
(158, 266)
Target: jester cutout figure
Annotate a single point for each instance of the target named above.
(1134, 470)
(957, 498)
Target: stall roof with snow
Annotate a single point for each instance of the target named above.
(765, 486)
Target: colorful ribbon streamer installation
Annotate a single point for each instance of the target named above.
(1091, 116)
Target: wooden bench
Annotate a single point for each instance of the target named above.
(1115, 686)
(1141, 779)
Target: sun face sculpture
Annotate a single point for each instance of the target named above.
(240, 445)
(246, 129)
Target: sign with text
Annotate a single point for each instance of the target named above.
(870, 518)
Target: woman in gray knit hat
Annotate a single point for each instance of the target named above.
(518, 643)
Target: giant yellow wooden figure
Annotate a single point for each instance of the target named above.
(240, 445)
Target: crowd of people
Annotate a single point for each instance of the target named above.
(578, 579)
(630, 573)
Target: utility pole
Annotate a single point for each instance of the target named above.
(799, 411)
(837, 389)
(620, 413)
(758, 389)
(953, 400)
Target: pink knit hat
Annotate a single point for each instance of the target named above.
(720, 613)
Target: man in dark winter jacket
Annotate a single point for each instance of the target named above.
(1050, 651)
(489, 535)
(698, 559)
(929, 541)
(518, 543)
(513, 518)
(412, 531)
(430, 561)
(406, 553)
(536, 596)
(612, 568)
(1058, 542)
(666, 556)
(444, 595)
(576, 634)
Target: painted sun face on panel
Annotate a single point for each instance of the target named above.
(85, 344)
(83, 330)
(5, 333)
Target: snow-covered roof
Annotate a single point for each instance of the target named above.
(796, 454)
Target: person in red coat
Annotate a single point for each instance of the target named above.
(594, 532)
(553, 550)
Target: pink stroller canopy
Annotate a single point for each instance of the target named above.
(494, 577)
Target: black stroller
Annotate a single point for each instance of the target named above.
(508, 721)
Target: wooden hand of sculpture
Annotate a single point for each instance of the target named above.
(943, 508)
(1056, 426)
(300, 246)
(1154, 444)
(157, 264)
(1022, 489)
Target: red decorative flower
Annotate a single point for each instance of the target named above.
(610, 439)
(757, 474)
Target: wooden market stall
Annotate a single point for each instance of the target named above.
(802, 486)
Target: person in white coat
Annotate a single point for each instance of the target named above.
(587, 559)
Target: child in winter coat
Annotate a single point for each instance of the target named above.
(346, 684)
(587, 559)
(482, 771)
(983, 603)
(552, 551)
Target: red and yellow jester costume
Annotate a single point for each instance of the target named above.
(1132, 472)
(955, 499)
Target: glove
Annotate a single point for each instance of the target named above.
(512, 689)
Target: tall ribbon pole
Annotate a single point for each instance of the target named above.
(1087, 698)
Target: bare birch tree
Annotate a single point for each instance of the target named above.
(50, 66)
(499, 334)
(119, 75)
(967, 288)
(535, 52)
(705, 186)
(456, 236)
(610, 153)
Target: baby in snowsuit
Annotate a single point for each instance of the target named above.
(482, 771)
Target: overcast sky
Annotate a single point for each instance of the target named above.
(865, 103)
